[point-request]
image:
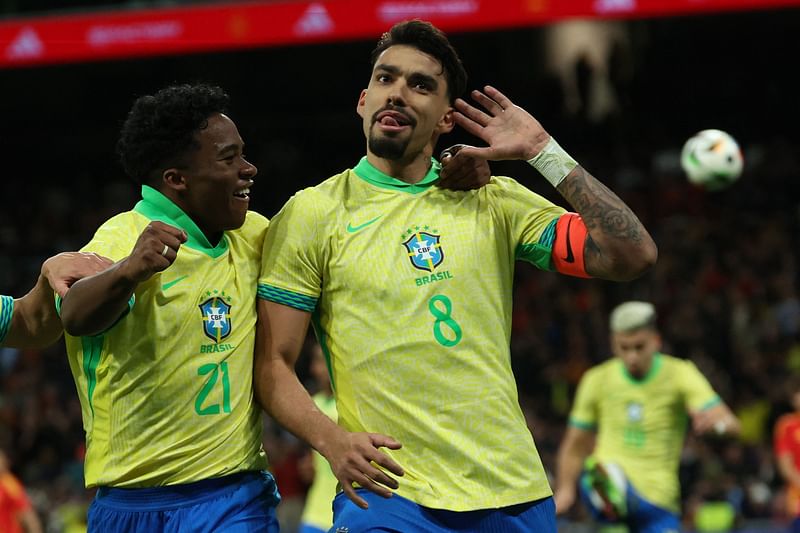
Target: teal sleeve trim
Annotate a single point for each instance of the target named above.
(282, 296)
(582, 425)
(711, 403)
(539, 253)
(6, 312)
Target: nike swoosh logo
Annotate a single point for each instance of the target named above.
(354, 229)
(175, 281)
(570, 257)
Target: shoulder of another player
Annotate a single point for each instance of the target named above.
(124, 222)
(786, 421)
(255, 221)
(599, 373)
(118, 231)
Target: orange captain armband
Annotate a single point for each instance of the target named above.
(568, 245)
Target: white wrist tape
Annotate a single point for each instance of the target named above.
(553, 163)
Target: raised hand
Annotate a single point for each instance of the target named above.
(64, 269)
(510, 131)
(154, 251)
(353, 459)
(462, 172)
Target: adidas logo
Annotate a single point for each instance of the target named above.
(315, 21)
(26, 45)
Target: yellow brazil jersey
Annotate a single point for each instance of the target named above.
(318, 509)
(410, 288)
(166, 393)
(6, 311)
(641, 424)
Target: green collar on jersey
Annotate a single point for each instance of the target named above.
(367, 172)
(156, 206)
(655, 366)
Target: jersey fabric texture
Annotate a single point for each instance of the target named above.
(239, 503)
(400, 514)
(787, 442)
(6, 312)
(641, 424)
(318, 511)
(166, 393)
(410, 287)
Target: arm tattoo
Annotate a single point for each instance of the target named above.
(607, 218)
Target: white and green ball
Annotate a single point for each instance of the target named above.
(712, 159)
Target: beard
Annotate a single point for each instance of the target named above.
(387, 148)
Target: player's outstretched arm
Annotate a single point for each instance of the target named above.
(279, 338)
(575, 448)
(95, 303)
(617, 246)
(716, 420)
(34, 322)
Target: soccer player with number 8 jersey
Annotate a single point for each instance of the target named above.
(408, 287)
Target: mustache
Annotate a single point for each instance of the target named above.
(411, 120)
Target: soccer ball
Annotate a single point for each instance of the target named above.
(712, 159)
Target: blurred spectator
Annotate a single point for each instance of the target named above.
(16, 512)
(318, 508)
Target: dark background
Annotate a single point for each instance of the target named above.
(725, 284)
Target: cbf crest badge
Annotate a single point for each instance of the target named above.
(216, 313)
(635, 411)
(424, 249)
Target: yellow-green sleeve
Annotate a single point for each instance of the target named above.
(115, 239)
(531, 221)
(584, 413)
(696, 389)
(291, 268)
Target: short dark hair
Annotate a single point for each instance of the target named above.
(160, 128)
(427, 38)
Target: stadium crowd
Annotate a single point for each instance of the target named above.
(725, 288)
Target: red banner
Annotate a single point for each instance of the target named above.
(119, 34)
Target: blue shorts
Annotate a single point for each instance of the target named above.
(239, 503)
(398, 514)
(643, 516)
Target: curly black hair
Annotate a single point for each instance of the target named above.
(427, 38)
(159, 130)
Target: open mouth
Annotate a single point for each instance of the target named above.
(243, 194)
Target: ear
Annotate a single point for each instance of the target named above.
(447, 122)
(173, 179)
(361, 103)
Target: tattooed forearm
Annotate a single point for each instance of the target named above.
(599, 207)
(618, 246)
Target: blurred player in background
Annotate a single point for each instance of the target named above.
(410, 287)
(318, 510)
(32, 321)
(637, 403)
(17, 515)
(787, 455)
(161, 344)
